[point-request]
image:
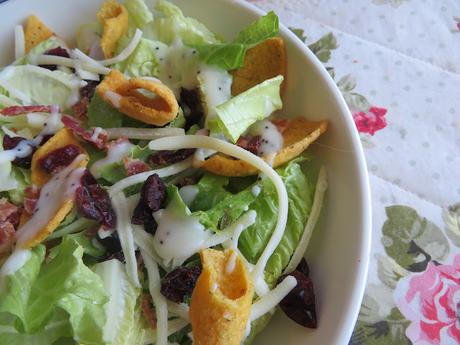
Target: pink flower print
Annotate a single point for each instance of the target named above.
(370, 122)
(431, 301)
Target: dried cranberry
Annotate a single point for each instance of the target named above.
(93, 201)
(191, 99)
(153, 192)
(299, 304)
(58, 51)
(179, 283)
(88, 90)
(59, 158)
(142, 215)
(303, 267)
(169, 157)
(10, 143)
(251, 144)
(111, 243)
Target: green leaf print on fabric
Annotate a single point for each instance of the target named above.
(323, 47)
(412, 241)
(452, 219)
(299, 33)
(390, 331)
(388, 271)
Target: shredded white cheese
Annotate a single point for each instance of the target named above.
(158, 299)
(125, 52)
(89, 62)
(321, 187)
(140, 178)
(125, 234)
(273, 298)
(19, 42)
(179, 309)
(143, 133)
(198, 141)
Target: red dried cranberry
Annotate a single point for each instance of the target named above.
(59, 158)
(180, 283)
(58, 51)
(93, 202)
(251, 144)
(303, 267)
(170, 157)
(111, 243)
(142, 215)
(299, 304)
(88, 90)
(153, 192)
(191, 99)
(10, 143)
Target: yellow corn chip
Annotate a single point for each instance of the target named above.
(62, 138)
(52, 224)
(122, 93)
(114, 19)
(264, 61)
(221, 300)
(36, 32)
(298, 135)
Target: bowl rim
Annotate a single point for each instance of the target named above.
(359, 283)
(345, 332)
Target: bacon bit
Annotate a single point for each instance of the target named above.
(80, 109)
(251, 144)
(18, 110)
(134, 166)
(31, 195)
(281, 124)
(100, 141)
(9, 221)
(147, 310)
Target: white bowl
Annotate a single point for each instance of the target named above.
(339, 252)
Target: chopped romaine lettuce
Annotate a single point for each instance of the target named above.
(211, 190)
(101, 114)
(170, 24)
(253, 240)
(22, 178)
(40, 85)
(142, 62)
(138, 12)
(88, 35)
(123, 325)
(231, 56)
(236, 115)
(35, 293)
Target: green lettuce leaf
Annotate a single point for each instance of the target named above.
(124, 324)
(211, 190)
(40, 85)
(254, 240)
(22, 178)
(101, 114)
(236, 115)
(138, 12)
(258, 326)
(170, 24)
(38, 291)
(87, 35)
(142, 62)
(231, 56)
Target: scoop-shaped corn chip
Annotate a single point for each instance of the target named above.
(52, 224)
(114, 19)
(264, 61)
(62, 138)
(298, 135)
(35, 32)
(221, 300)
(124, 94)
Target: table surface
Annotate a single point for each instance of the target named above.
(397, 63)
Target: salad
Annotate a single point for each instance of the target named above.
(152, 192)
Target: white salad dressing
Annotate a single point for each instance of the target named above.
(114, 98)
(53, 194)
(188, 194)
(15, 261)
(179, 66)
(215, 85)
(115, 153)
(178, 236)
(271, 139)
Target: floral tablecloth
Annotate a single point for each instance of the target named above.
(397, 63)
